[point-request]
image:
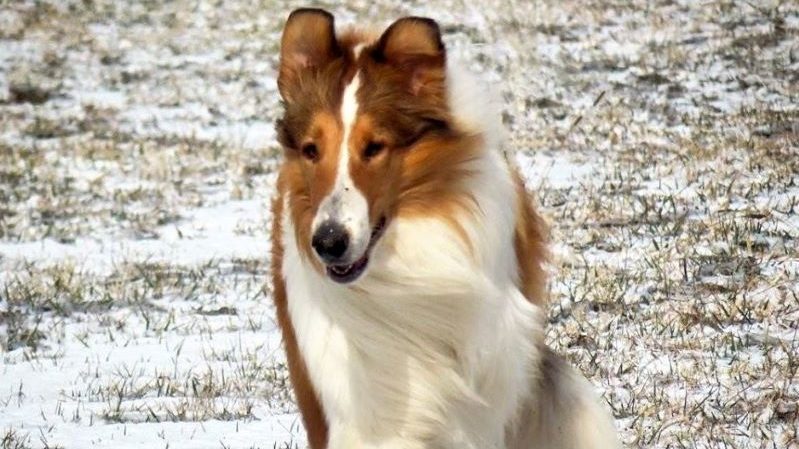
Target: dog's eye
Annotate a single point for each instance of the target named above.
(372, 149)
(310, 152)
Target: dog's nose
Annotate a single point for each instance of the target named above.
(330, 241)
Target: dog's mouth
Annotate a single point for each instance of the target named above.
(344, 274)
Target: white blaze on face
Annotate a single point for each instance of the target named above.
(345, 204)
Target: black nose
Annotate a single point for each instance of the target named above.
(330, 241)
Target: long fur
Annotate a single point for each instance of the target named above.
(437, 346)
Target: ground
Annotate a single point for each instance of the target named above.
(137, 159)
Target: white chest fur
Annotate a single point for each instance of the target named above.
(434, 347)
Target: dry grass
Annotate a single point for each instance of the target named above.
(677, 284)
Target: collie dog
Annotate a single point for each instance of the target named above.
(408, 260)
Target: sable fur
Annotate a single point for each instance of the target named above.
(439, 344)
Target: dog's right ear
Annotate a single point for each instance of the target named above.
(308, 43)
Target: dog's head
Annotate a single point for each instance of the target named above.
(367, 132)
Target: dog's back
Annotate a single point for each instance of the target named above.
(563, 412)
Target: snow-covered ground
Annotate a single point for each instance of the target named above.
(137, 158)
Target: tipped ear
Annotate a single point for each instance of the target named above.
(309, 41)
(414, 44)
(411, 37)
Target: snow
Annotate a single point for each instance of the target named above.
(205, 234)
(659, 141)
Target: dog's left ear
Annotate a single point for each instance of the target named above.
(414, 44)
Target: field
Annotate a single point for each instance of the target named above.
(138, 157)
